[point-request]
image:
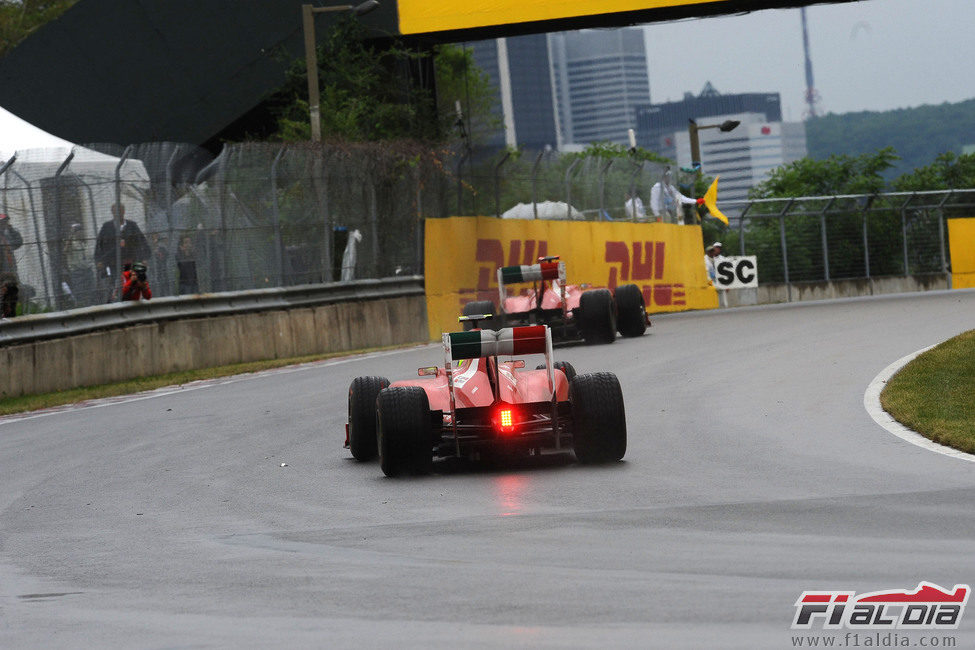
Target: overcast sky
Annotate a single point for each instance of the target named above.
(867, 55)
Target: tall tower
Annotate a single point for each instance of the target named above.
(812, 95)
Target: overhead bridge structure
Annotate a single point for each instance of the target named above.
(185, 71)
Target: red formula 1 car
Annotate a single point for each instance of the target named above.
(476, 404)
(572, 311)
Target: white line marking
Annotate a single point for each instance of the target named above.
(871, 402)
(197, 385)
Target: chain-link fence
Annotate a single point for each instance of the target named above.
(271, 215)
(809, 239)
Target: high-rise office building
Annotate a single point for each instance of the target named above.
(521, 77)
(601, 77)
(743, 157)
(571, 88)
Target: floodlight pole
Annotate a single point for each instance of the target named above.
(311, 56)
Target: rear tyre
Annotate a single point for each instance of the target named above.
(564, 366)
(362, 416)
(598, 418)
(403, 426)
(481, 307)
(631, 312)
(598, 323)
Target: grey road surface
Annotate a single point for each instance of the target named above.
(753, 473)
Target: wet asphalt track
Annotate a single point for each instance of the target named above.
(753, 472)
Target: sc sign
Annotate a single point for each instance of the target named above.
(736, 273)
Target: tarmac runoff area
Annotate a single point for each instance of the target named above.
(227, 513)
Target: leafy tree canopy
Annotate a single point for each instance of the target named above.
(838, 174)
(19, 18)
(368, 91)
(948, 171)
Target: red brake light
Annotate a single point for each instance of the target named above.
(504, 419)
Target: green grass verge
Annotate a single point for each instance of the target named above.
(47, 400)
(935, 393)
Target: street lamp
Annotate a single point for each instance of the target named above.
(311, 56)
(693, 128)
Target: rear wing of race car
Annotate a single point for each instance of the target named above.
(531, 339)
(548, 268)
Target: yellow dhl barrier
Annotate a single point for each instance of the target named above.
(463, 255)
(961, 243)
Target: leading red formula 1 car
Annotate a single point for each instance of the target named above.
(572, 311)
(477, 403)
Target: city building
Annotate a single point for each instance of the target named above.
(742, 157)
(566, 90)
(601, 77)
(521, 75)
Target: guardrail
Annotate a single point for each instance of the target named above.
(38, 327)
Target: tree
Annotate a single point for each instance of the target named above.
(368, 91)
(19, 18)
(949, 171)
(837, 175)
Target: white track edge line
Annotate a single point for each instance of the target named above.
(871, 402)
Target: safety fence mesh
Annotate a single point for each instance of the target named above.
(270, 215)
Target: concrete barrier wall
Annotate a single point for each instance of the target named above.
(802, 291)
(176, 345)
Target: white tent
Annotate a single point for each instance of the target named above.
(87, 189)
(545, 209)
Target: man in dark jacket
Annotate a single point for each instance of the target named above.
(132, 244)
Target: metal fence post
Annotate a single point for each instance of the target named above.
(866, 242)
(741, 229)
(538, 161)
(637, 169)
(374, 228)
(276, 214)
(785, 252)
(907, 271)
(37, 235)
(941, 232)
(55, 250)
(497, 183)
(460, 184)
(568, 187)
(822, 228)
(602, 188)
(418, 266)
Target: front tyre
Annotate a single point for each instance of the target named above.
(362, 416)
(403, 425)
(598, 322)
(598, 418)
(631, 311)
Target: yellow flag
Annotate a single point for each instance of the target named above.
(711, 201)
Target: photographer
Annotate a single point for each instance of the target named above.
(136, 284)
